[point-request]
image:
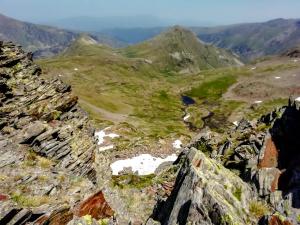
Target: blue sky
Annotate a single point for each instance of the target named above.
(188, 11)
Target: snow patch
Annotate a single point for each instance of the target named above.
(105, 148)
(75, 69)
(258, 102)
(144, 164)
(236, 123)
(112, 135)
(186, 117)
(100, 135)
(297, 99)
(253, 68)
(295, 60)
(177, 144)
(277, 78)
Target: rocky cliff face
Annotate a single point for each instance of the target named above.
(249, 175)
(47, 148)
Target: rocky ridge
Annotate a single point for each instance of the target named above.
(47, 148)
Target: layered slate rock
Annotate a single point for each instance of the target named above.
(47, 148)
(43, 114)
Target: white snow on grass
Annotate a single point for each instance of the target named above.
(236, 123)
(100, 135)
(277, 78)
(177, 144)
(186, 117)
(76, 69)
(253, 68)
(105, 148)
(144, 164)
(297, 99)
(258, 102)
(295, 60)
(112, 135)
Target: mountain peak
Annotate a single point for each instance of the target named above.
(179, 50)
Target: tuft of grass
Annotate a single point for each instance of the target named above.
(258, 209)
(33, 159)
(132, 181)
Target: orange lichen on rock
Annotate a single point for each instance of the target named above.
(96, 206)
(275, 220)
(270, 158)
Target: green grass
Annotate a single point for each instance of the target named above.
(132, 181)
(265, 108)
(212, 90)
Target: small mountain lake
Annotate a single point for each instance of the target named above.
(187, 100)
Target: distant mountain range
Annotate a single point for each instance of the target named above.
(42, 40)
(254, 39)
(98, 24)
(249, 41)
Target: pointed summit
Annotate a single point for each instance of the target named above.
(179, 50)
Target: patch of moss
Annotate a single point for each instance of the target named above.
(237, 193)
(30, 201)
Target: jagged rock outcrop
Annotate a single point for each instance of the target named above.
(206, 193)
(47, 148)
(265, 154)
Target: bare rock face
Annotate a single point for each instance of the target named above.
(47, 148)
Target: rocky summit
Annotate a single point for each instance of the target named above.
(52, 172)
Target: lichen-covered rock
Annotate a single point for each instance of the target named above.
(206, 193)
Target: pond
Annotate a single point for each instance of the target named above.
(187, 100)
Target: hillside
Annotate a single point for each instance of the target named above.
(179, 50)
(146, 104)
(254, 39)
(41, 40)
